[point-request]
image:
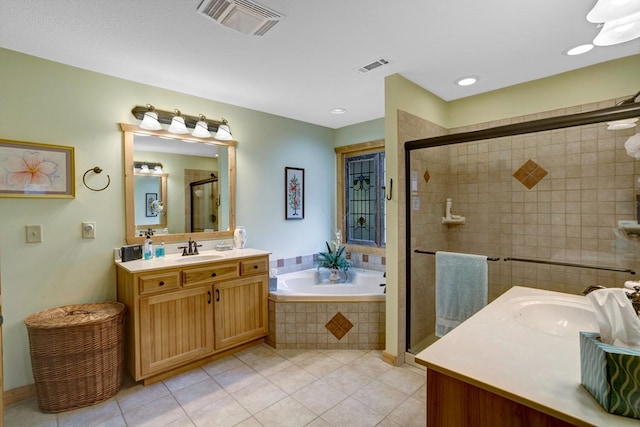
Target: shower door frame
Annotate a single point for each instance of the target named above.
(629, 109)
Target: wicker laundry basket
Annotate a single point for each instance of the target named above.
(77, 354)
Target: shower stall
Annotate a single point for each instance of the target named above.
(551, 201)
(204, 201)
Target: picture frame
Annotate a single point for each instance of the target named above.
(294, 193)
(34, 170)
(149, 198)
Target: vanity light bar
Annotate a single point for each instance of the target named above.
(148, 167)
(165, 117)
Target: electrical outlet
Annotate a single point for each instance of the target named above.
(88, 230)
(34, 233)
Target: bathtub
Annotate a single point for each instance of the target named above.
(313, 284)
(308, 312)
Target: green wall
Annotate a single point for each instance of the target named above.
(361, 132)
(51, 103)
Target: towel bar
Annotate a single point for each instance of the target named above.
(570, 264)
(540, 261)
(418, 251)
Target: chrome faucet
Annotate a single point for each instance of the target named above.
(191, 248)
(591, 289)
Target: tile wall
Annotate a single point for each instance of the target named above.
(305, 262)
(554, 195)
(327, 325)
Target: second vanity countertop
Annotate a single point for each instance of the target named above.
(178, 261)
(493, 351)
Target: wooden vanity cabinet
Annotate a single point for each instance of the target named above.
(241, 312)
(181, 317)
(175, 327)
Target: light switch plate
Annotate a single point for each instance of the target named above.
(88, 230)
(34, 233)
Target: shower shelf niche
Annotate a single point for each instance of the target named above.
(454, 221)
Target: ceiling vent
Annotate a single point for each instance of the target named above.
(373, 65)
(244, 16)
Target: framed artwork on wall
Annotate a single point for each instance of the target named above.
(150, 203)
(294, 193)
(29, 169)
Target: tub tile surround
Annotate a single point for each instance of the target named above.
(358, 323)
(305, 262)
(260, 386)
(313, 325)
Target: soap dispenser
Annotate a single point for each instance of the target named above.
(148, 247)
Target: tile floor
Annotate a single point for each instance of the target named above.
(260, 386)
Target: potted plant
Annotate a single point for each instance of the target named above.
(334, 260)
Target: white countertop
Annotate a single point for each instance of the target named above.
(178, 261)
(493, 351)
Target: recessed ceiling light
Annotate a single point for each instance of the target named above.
(579, 50)
(466, 81)
(338, 111)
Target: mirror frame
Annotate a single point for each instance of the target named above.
(129, 131)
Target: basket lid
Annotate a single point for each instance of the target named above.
(76, 314)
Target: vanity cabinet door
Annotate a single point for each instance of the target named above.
(240, 308)
(175, 328)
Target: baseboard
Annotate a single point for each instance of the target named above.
(19, 393)
(389, 358)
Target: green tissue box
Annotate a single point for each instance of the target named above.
(611, 374)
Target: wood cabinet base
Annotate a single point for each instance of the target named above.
(452, 402)
(179, 317)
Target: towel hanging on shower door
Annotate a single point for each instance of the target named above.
(461, 288)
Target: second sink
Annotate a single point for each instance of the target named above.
(561, 315)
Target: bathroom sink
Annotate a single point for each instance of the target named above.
(198, 258)
(555, 315)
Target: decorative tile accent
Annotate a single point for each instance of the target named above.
(426, 176)
(303, 325)
(530, 174)
(281, 262)
(339, 325)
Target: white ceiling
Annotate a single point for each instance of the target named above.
(307, 64)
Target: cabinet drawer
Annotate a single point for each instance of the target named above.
(254, 266)
(210, 273)
(152, 283)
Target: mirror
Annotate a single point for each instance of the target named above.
(192, 192)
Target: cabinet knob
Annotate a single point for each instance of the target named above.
(161, 283)
(255, 267)
(214, 274)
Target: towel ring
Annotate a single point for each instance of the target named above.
(95, 170)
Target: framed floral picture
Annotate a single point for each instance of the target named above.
(29, 169)
(294, 193)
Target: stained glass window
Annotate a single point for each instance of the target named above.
(364, 199)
